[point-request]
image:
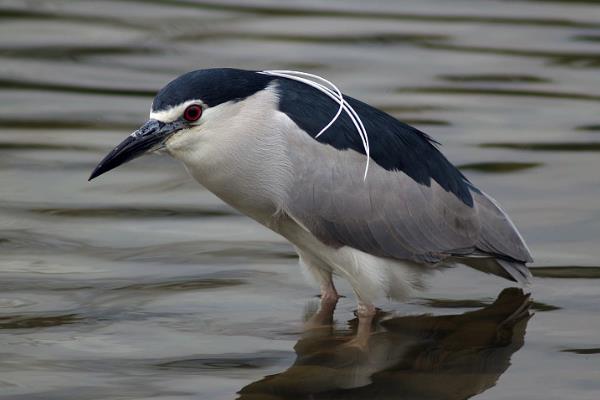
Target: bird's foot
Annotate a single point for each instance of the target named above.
(365, 311)
(328, 294)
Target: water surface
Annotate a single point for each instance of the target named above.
(143, 285)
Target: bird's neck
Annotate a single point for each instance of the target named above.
(251, 185)
(244, 162)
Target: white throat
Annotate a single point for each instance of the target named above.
(239, 153)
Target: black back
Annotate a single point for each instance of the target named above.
(393, 145)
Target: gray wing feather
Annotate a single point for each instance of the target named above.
(391, 215)
(498, 233)
(388, 215)
(518, 271)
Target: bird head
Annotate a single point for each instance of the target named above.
(185, 108)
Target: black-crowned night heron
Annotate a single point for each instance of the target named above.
(357, 192)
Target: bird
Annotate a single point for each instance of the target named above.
(359, 194)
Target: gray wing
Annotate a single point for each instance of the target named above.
(499, 237)
(391, 215)
(499, 234)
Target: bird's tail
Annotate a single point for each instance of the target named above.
(513, 270)
(517, 270)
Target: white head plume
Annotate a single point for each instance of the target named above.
(333, 92)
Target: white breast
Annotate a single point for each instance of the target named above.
(239, 153)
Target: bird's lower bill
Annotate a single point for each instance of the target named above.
(150, 136)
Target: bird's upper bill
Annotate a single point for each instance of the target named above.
(150, 136)
(180, 105)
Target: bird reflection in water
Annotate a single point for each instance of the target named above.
(409, 357)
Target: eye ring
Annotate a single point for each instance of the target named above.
(192, 113)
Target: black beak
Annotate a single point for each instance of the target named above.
(149, 136)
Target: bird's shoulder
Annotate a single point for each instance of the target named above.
(394, 145)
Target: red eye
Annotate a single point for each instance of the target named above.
(192, 113)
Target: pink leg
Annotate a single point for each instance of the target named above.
(328, 292)
(324, 316)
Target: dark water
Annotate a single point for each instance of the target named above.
(143, 285)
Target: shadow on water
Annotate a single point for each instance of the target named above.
(74, 53)
(132, 212)
(409, 357)
(499, 167)
(493, 78)
(197, 284)
(61, 123)
(589, 128)
(286, 11)
(582, 351)
(546, 146)
(496, 92)
(79, 89)
(255, 360)
(566, 272)
(27, 321)
(45, 146)
(373, 39)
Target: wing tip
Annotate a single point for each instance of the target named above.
(517, 270)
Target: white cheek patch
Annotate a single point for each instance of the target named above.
(173, 113)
